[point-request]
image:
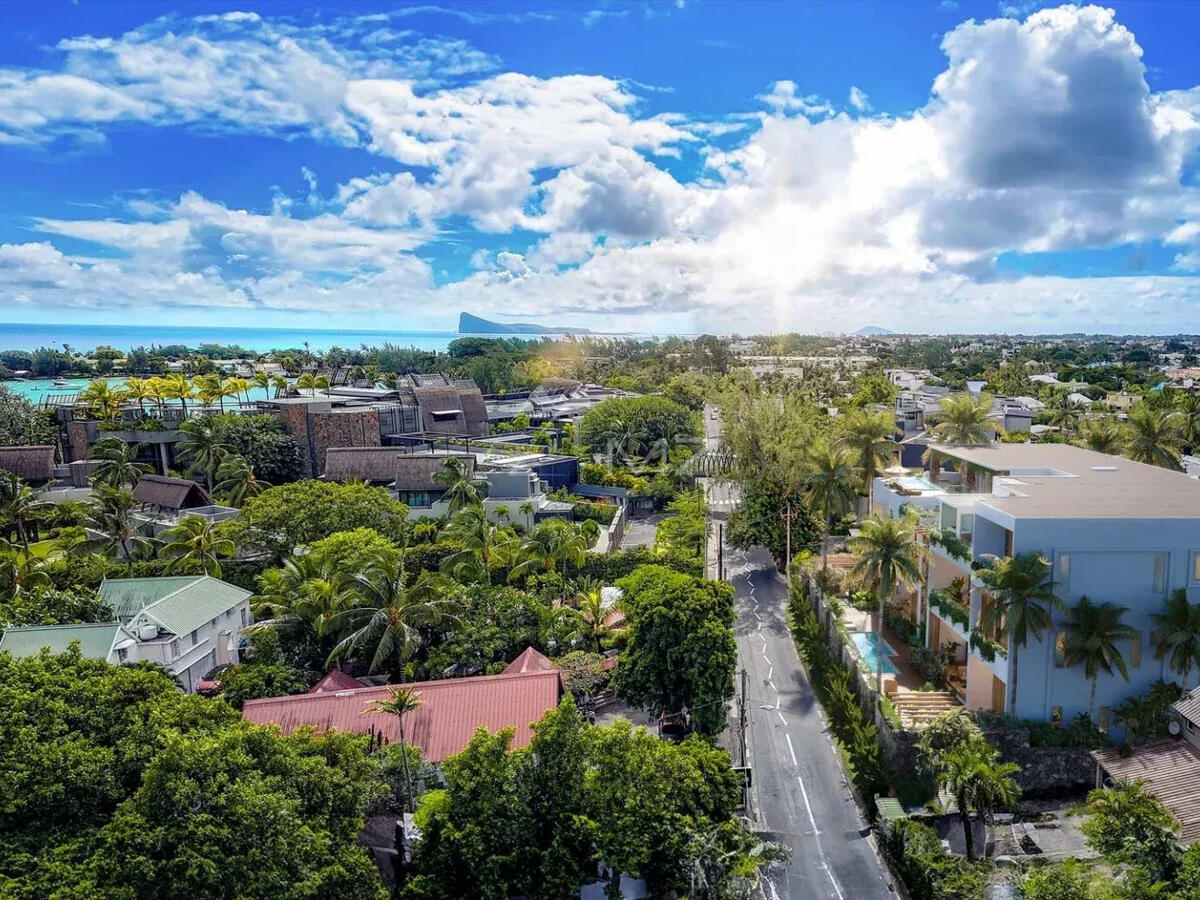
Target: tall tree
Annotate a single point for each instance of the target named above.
(20, 506)
(177, 386)
(1065, 413)
(1023, 600)
(387, 627)
(1154, 436)
(966, 419)
(462, 488)
(830, 486)
(871, 438)
(1177, 633)
(1104, 435)
(201, 447)
(236, 480)
(485, 545)
(399, 702)
(972, 773)
(1187, 405)
(1092, 634)
(890, 554)
(194, 540)
(117, 463)
(112, 516)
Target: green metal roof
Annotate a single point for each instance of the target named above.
(889, 809)
(181, 604)
(95, 641)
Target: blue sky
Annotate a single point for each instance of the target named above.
(653, 167)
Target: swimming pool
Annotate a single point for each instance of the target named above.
(916, 483)
(865, 642)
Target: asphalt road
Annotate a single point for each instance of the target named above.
(799, 792)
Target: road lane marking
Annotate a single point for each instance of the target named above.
(817, 836)
(792, 750)
(782, 720)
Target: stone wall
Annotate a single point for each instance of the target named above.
(1044, 770)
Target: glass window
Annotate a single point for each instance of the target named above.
(174, 647)
(1160, 572)
(195, 637)
(243, 617)
(1064, 570)
(1196, 566)
(1135, 651)
(122, 655)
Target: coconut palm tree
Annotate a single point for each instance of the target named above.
(1105, 435)
(1187, 405)
(238, 387)
(387, 626)
(300, 600)
(553, 543)
(201, 447)
(280, 383)
(399, 702)
(20, 506)
(21, 573)
(593, 612)
(193, 540)
(1091, 640)
(972, 773)
(462, 489)
(156, 391)
(112, 516)
(136, 389)
(176, 386)
(1177, 633)
(870, 438)
(102, 399)
(1065, 413)
(1023, 599)
(261, 379)
(484, 545)
(236, 482)
(1154, 436)
(209, 389)
(966, 419)
(830, 487)
(117, 463)
(307, 382)
(890, 555)
(321, 382)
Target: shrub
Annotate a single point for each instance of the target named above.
(928, 665)
(927, 870)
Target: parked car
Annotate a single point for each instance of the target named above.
(210, 684)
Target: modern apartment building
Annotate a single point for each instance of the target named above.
(1113, 530)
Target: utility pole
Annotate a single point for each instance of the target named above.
(720, 551)
(787, 572)
(742, 717)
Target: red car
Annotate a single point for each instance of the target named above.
(210, 684)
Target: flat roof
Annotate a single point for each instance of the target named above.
(1062, 481)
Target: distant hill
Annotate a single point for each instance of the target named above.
(469, 324)
(873, 330)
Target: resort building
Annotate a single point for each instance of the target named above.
(189, 624)
(1113, 530)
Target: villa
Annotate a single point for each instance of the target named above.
(1114, 530)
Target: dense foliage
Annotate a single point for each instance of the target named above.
(23, 423)
(274, 455)
(147, 792)
(629, 426)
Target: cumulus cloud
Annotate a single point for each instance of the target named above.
(1040, 134)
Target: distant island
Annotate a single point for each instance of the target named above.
(469, 324)
(873, 330)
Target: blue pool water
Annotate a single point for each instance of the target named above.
(865, 642)
(916, 483)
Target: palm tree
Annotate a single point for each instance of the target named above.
(1154, 437)
(238, 387)
(1105, 435)
(890, 554)
(1188, 407)
(21, 573)
(20, 506)
(103, 401)
(280, 383)
(201, 447)
(112, 516)
(388, 623)
(176, 386)
(972, 773)
(117, 463)
(830, 486)
(1065, 414)
(307, 381)
(321, 382)
(1177, 633)
(966, 419)
(462, 489)
(156, 391)
(484, 543)
(399, 702)
(236, 482)
(208, 389)
(261, 379)
(870, 437)
(195, 540)
(301, 598)
(554, 542)
(593, 611)
(1023, 598)
(137, 389)
(1091, 641)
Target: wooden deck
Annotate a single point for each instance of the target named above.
(1171, 770)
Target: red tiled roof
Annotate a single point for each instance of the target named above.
(451, 710)
(529, 661)
(336, 680)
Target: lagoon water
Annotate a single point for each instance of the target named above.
(87, 337)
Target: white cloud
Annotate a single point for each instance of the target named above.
(1039, 135)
